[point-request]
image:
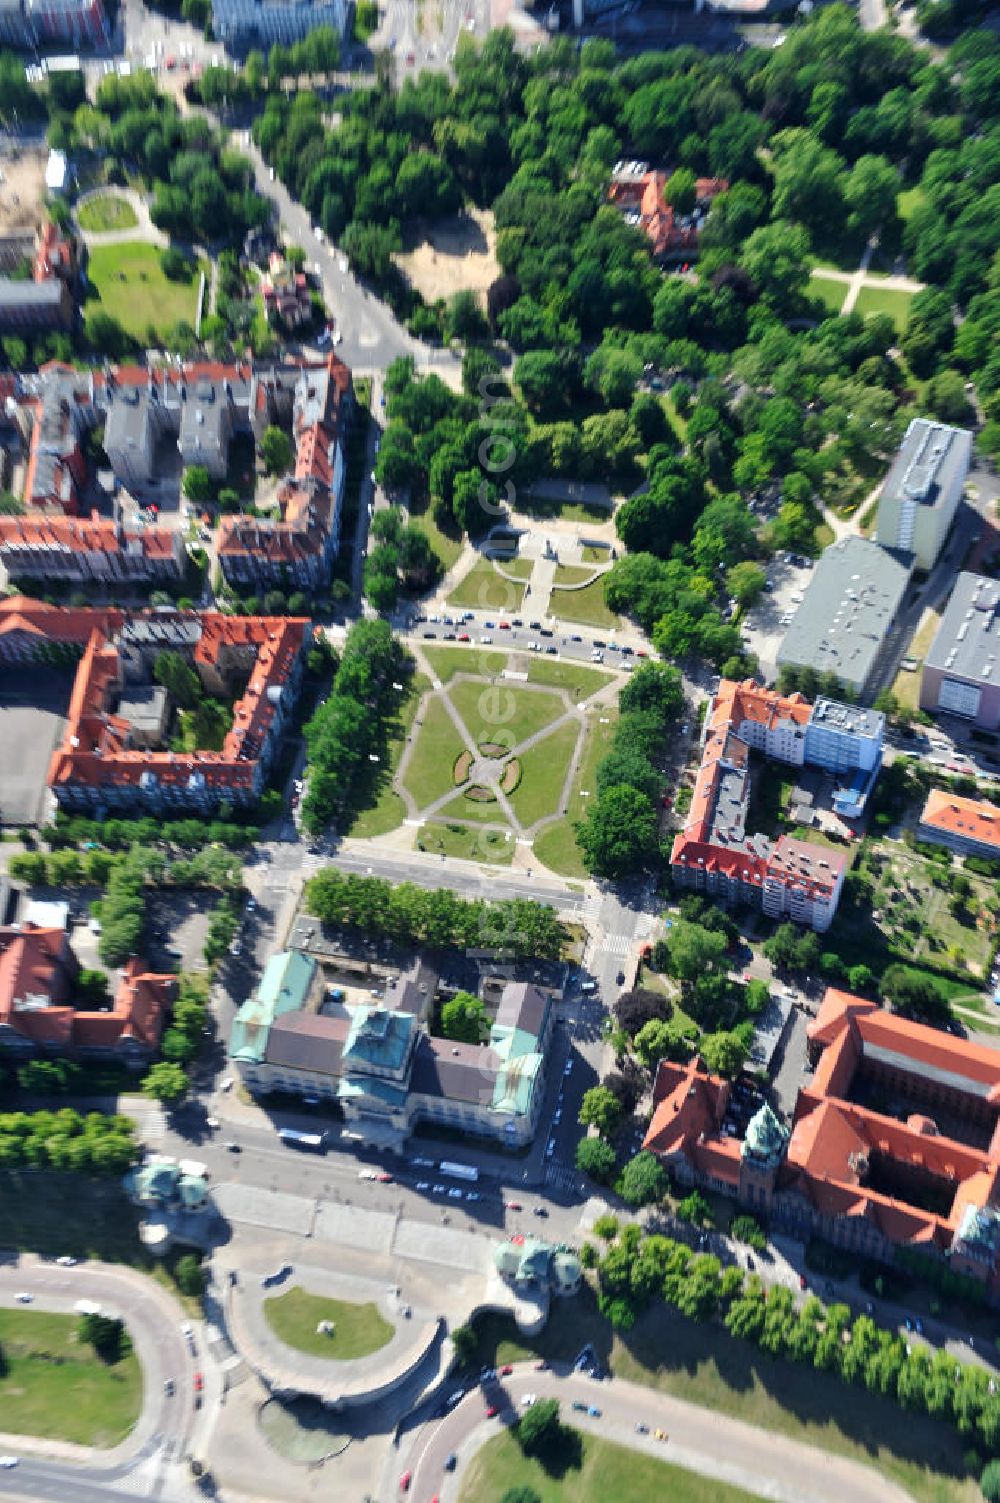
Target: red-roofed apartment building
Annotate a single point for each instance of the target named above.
(200, 408)
(107, 759)
(894, 1148)
(641, 195)
(967, 825)
(713, 853)
(38, 975)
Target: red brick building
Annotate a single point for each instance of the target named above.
(641, 195)
(38, 977)
(894, 1145)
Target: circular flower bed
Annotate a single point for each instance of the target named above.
(493, 749)
(480, 795)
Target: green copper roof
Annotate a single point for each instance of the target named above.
(515, 1083)
(159, 1183)
(533, 1261)
(284, 987)
(378, 1038)
(350, 1087)
(766, 1136)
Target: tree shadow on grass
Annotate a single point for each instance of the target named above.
(561, 1453)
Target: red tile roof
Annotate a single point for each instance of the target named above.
(967, 819)
(646, 196)
(95, 749)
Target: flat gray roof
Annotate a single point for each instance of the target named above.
(850, 604)
(838, 716)
(967, 642)
(930, 459)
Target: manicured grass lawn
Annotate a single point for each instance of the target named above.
(429, 773)
(701, 1362)
(606, 1473)
(573, 574)
(581, 682)
(470, 811)
(592, 555)
(543, 772)
(484, 588)
(506, 713)
(889, 300)
(447, 661)
(132, 288)
(55, 1386)
(109, 212)
(556, 846)
(388, 810)
(585, 606)
(358, 1329)
(467, 842)
(824, 535)
(830, 290)
(447, 546)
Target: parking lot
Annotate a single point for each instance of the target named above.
(766, 623)
(32, 714)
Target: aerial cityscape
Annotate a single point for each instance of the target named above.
(500, 751)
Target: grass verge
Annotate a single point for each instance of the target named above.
(592, 1471)
(388, 810)
(358, 1330)
(467, 842)
(580, 682)
(53, 1386)
(702, 1363)
(447, 661)
(584, 606)
(484, 588)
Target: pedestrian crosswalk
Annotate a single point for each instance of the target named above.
(561, 1176)
(150, 1121)
(617, 944)
(591, 906)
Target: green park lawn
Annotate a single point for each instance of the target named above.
(701, 1362)
(447, 661)
(592, 554)
(830, 290)
(131, 288)
(359, 1330)
(579, 681)
(108, 212)
(469, 810)
(891, 300)
(599, 1472)
(467, 842)
(484, 588)
(54, 1386)
(543, 773)
(430, 769)
(386, 810)
(447, 547)
(506, 713)
(556, 846)
(573, 574)
(584, 606)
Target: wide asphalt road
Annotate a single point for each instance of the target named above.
(702, 1440)
(153, 1320)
